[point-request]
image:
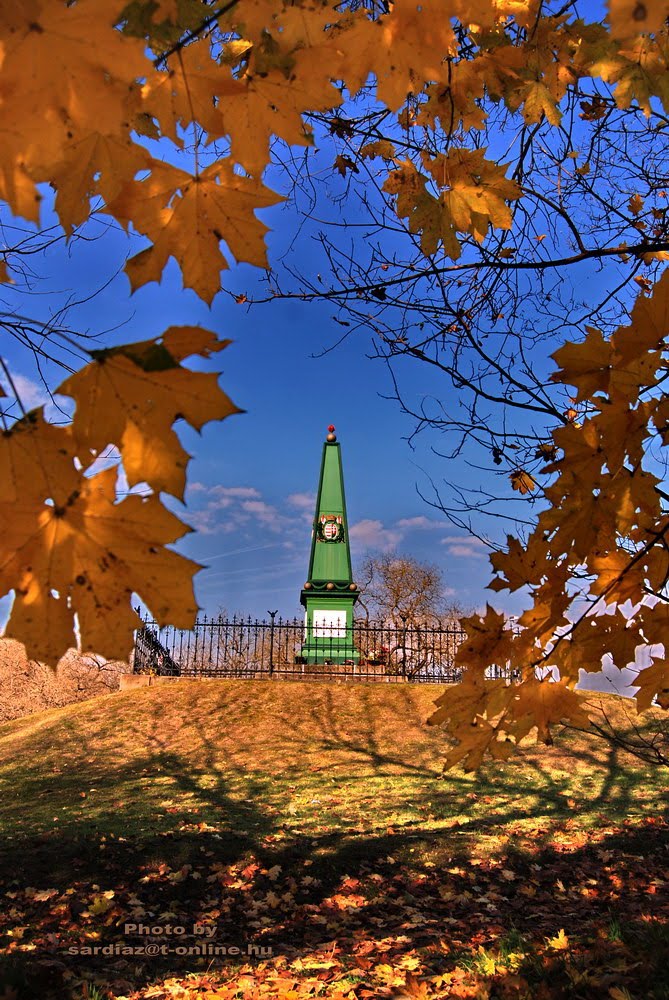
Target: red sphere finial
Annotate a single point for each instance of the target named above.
(331, 428)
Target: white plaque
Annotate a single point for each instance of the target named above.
(329, 624)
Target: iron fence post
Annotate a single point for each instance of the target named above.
(138, 634)
(272, 615)
(404, 647)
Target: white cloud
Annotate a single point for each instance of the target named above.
(471, 540)
(465, 551)
(303, 501)
(362, 530)
(30, 392)
(60, 409)
(372, 534)
(226, 509)
(265, 513)
(418, 523)
(465, 546)
(225, 492)
(237, 491)
(234, 492)
(208, 517)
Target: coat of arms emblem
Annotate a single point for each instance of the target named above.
(330, 528)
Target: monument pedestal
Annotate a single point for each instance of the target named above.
(329, 630)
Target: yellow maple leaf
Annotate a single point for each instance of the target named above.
(18, 189)
(93, 163)
(581, 447)
(473, 197)
(404, 48)
(489, 639)
(37, 458)
(388, 975)
(539, 102)
(465, 702)
(72, 548)
(629, 17)
(425, 213)
(380, 147)
(73, 50)
(629, 381)
(648, 327)
(522, 481)
(286, 61)
(270, 105)
(579, 518)
(546, 616)
(653, 682)
(187, 216)
(586, 365)
(474, 741)
(622, 431)
(638, 70)
(475, 190)
(131, 396)
(455, 103)
(657, 563)
(190, 90)
(650, 258)
(520, 564)
(546, 702)
(619, 578)
(560, 942)
(101, 904)
(88, 556)
(596, 637)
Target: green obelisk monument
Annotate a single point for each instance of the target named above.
(329, 593)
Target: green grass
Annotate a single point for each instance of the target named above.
(258, 758)
(328, 780)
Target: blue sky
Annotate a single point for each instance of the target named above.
(253, 477)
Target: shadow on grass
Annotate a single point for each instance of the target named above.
(401, 902)
(216, 849)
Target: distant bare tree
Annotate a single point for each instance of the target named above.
(401, 590)
(27, 687)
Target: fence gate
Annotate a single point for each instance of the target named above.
(245, 648)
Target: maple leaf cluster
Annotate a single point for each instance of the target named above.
(607, 527)
(73, 554)
(107, 78)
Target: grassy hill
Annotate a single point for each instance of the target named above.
(298, 815)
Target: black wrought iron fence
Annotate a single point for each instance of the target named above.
(242, 647)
